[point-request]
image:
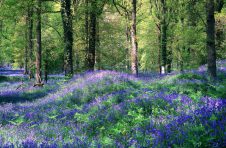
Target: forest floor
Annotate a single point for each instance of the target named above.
(114, 109)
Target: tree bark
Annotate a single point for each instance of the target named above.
(220, 5)
(68, 36)
(1, 28)
(169, 58)
(169, 61)
(86, 32)
(98, 53)
(92, 37)
(134, 57)
(46, 65)
(39, 44)
(30, 37)
(210, 40)
(128, 46)
(158, 26)
(26, 48)
(164, 36)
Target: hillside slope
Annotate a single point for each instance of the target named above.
(112, 109)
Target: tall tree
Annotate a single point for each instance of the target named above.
(210, 40)
(39, 44)
(30, 38)
(1, 28)
(68, 36)
(92, 36)
(130, 14)
(94, 9)
(164, 35)
(26, 50)
(86, 32)
(98, 52)
(134, 58)
(161, 10)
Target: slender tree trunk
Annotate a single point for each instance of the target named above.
(39, 44)
(169, 59)
(220, 37)
(26, 48)
(134, 57)
(46, 71)
(92, 37)
(68, 36)
(210, 41)
(46, 67)
(181, 66)
(164, 37)
(98, 58)
(77, 62)
(220, 5)
(26, 62)
(1, 28)
(159, 48)
(128, 41)
(87, 33)
(30, 42)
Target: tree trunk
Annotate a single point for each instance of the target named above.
(45, 71)
(87, 33)
(39, 44)
(164, 37)
(169, 59)
(181, 66)
(169, 62)
(210, 41)
(46, 64)
(98, 58)
(30, 42)
(220, 37)
(128, 42)
(68, 36)
(92, 37)
(1, 28)
(26, 49)
(159, 48)
(220, 5)
(134, 58)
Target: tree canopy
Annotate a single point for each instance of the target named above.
(71, 36)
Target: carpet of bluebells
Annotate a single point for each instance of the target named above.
(113, 109)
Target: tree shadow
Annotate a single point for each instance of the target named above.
(20, 97)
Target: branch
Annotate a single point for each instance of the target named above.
(117, 8)
(54, 29)
(199, 15)
(121, 6)
(43, 12)
(49, 0)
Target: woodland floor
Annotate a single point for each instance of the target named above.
(114, 109)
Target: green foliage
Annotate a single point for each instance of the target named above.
(186, 37)
(17, 121)
(193, 86)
